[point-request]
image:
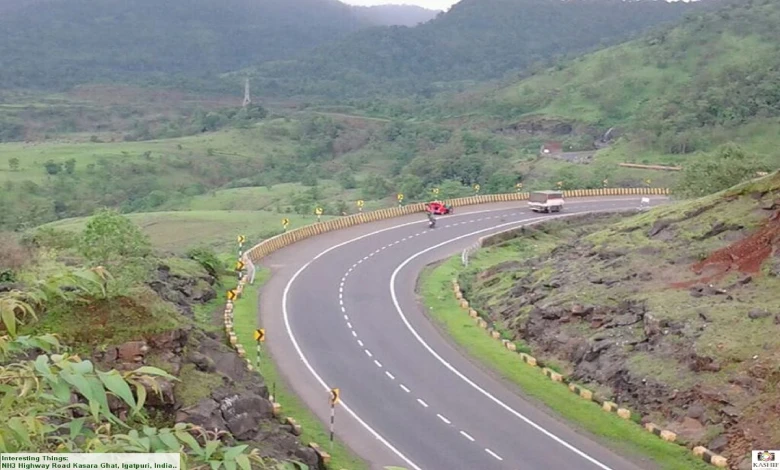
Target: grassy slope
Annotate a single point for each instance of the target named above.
(625, 84)
(178, 231)
(727, 335)
(622, 435)
(245, 318)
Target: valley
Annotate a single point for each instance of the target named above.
(129, 165)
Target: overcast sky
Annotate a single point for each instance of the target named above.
(432, 4)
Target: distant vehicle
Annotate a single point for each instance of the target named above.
(546, 201)
(438, 208)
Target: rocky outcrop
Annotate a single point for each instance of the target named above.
(615, 309)
(233, 400)
(215, 389)
(183, 291)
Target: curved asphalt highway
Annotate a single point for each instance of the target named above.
(340, 311)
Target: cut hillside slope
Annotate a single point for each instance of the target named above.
(711, 79)
(673, 312)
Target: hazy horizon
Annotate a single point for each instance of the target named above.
(430, 4)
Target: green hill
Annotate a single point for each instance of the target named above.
(59, 43)
(659, 312)
(712, 79)
(474, 40)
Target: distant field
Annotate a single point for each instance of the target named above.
(179, 231)
(233, 142)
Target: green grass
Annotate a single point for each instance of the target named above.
(623, 435)
(245, 323)
(178, 231)
(253, 142)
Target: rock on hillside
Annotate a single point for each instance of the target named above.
(673, 312)
(215, 391)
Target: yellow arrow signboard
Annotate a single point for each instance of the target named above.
(231, 294)
(334, 396)
(239, 265)
(241, 239)
(260, 335)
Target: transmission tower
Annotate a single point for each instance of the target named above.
(247, 98)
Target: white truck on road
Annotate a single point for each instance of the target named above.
(546, 201)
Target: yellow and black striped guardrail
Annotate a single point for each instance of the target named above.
(266, 247)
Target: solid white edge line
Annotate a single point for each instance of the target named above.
(288, 328)
(456, 371)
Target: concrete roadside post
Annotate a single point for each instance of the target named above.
(334, 400)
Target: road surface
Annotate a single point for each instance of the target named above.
(340, 312)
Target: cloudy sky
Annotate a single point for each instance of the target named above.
(432, 4)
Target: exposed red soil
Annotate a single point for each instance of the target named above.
(743, 256)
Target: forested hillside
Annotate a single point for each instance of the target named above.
(59, 43)
(475, 40)
(713, 79)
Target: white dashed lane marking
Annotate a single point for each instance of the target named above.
(403, 387)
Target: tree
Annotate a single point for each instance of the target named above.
(13, 164)
(110, 236)
(727, 166)
(70, 166)
(52, 167)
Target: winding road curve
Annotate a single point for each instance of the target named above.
(340, 311)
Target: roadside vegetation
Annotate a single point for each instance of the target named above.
(101, 351)
(245, 323)
(654, 311)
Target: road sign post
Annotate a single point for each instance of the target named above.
(360, 205)
(240, 268)
(334, 400)
(241, 240)
(285, 223)
(400, 198)
(318, 211)
(259, 339)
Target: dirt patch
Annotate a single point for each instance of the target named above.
(745, 256)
